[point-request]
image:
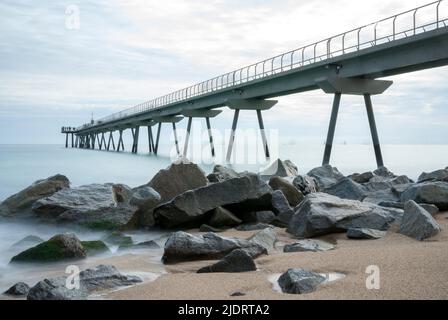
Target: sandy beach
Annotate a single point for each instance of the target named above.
(409, 269)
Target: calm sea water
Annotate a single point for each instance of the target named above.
(20, 165)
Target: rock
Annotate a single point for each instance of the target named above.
(121, 194)
(145, 199)
(308, 245)
(321, 214)
(189, 208)
(119, 239)
(223, 218)
(252, 226)
(435, 193)
(377, 197)
(27, 242)
(347, 189)
(236, 261)
(439, 175)
(392, 204)
(432, 209)
(221, 173)
(177, 179)
(291, 193)
(281, 208)
(305, 184)
(384, 172)
(266, 238)
(95, 247)
(22, 201)
(91, 206)
(364, 233)
(300, 281)
(60, 247)
(326, 176)
(238, 294)
(206, 228)
(265, 216)
(153, 245)
(182, 246)
(281, 168)
(100, 278)
(20, 289)
(361, 178)
(417, 223)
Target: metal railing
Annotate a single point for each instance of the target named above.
(403, 25)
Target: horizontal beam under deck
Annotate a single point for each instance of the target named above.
(419, 52)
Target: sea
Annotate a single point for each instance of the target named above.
(21, 165)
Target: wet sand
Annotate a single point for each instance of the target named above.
(409, 269)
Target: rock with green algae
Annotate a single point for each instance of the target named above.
(95, 247)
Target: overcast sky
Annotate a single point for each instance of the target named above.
(128, 52)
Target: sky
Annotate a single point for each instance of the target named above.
(61, 61)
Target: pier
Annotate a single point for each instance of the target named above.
(350, 63)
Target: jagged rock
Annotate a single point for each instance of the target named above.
(253, 226)
(361, 178)
(265, 216)
(392, 204)
(364, 233)
(384, 172)
(178, 178)
(291, 193)
(280, 168)
(223, 218)
(281, 208)
(121, 194)
(189, 209)
(439, 175)
(306, 184)
(100, 278)
(308, 245)
(321, 214)
(221, 173)
(435, 193)
(20, 289)
(119, 239)
(60, 247)
(236, 261)
(266, 238)
(386, 195)
(182, 246)
(22, 201)
(347, 189)
(91, 206)
(326, 176)
(95, 247)
(145, 199)
(153, 245)
(417, 223)
(27, 242)
(300, 281)
(432, 209)
(206, 228)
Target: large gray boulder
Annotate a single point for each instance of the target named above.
(282, 209)
(321, 214)
(308, 245)
(20, 289)
(306, 184)
(418, 223)
(22, 201)
(435, 193)
(364, 233)
(60, 247)
(236, 261)
(291, 193)
(326, 176)
(189, 208)
(100, 278)
(266, 238)
(182, 246)
(121, 194)
(145, 199)
(221, 173)
(361, 178)
(280, 168)
(92, 206)
(300, 281)
(223, 218)
(178, 178)
(347, 189)
(439, 175)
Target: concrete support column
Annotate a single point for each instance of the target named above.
(73, 140)
(331, 128)
(232, 134)
(66, 140)
(120, 141)
(210, 135)
(135, 134)
(373, 131)
(176, 141)
(187, 137)
(156, 150)
(150, 140)
(263, 134)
